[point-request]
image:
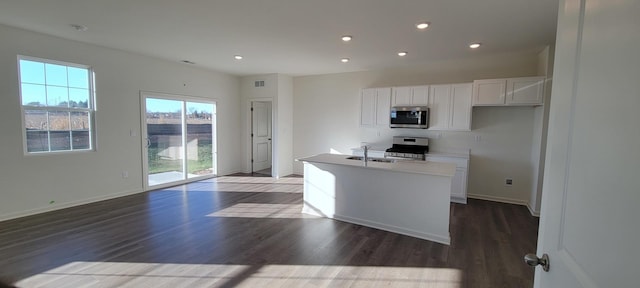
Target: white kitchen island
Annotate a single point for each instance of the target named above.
(405, 197)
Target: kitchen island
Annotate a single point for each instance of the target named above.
(404, 196)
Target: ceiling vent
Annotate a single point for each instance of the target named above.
(259, 83)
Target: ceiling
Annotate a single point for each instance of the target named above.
(294, 37)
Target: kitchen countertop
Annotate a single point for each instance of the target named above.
(408, 166)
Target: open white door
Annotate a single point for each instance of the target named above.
(590, 220)
(261, 135)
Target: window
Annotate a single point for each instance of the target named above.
(57, 102)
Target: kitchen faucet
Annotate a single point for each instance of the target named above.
(365, 148)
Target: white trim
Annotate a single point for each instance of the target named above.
(67, 205)
(274, 139)
(459, 200)
(91, 110)
(498, 199)
(533, 212)
(308, 209)
(143, 136)
(395, 229)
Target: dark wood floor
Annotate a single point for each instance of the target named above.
(248, 232)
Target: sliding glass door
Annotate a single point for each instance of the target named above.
(180, 139)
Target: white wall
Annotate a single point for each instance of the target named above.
(284, 138)
(326, 113)
(541, 123)
(278, 89)
(249, 92)
(29, 183)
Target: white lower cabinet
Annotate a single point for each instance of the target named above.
(460, 179)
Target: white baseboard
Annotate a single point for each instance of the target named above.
(506, 200)
(395, 229)
(534, 213)
(66, 205)
(498, 199)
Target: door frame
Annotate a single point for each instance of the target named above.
(249, 129)
(143, 137)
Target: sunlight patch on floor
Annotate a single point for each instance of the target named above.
(262, 210)
(249, 184)
(122, 274)
(257, 180)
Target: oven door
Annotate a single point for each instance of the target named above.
(409, 117)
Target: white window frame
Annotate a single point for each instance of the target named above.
(91, 109)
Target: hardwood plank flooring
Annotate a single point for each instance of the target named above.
(239, 231)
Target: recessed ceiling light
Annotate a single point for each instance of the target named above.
(79, 27)
(423, 25)
(474, 45)
(344, 60)
(238, 57)
(403, 53)
(346, 38)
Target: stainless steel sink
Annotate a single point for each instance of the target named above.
(383, 160)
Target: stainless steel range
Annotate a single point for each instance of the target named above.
(408, 147)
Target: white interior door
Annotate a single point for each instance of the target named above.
(589, 221)
(261, 135)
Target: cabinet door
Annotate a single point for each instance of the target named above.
(368, 107)
(383, 107)
(439, 106)
(401, 96)
(460, 115)
(459, 185)
(420, 95)
(525, 91)
(490, 92)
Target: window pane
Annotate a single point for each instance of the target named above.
(35, 120)
(78, 77)
(57, 96)
(80, 121)
(81, 140)
(60, 140)
(37, 141)
(31, 72)
(33, 95)
(78, 97)
(199, 139)
(59, 121)
(56, 74)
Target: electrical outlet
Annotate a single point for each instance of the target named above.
(477, 138)
(125, 174)
(508, 182)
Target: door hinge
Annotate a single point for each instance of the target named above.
(251, 134)
(251, 109)
(251, 160)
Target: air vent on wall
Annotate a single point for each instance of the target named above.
(259, 83)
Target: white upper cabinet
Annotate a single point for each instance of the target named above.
(460, 118)
(410, 96)
(450, 107)
(440, 107)
(375, 106)
(489, 92)
(527, 91)
(368, 107)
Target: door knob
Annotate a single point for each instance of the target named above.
(533, 260)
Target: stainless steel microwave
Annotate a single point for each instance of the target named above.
(409, 117)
